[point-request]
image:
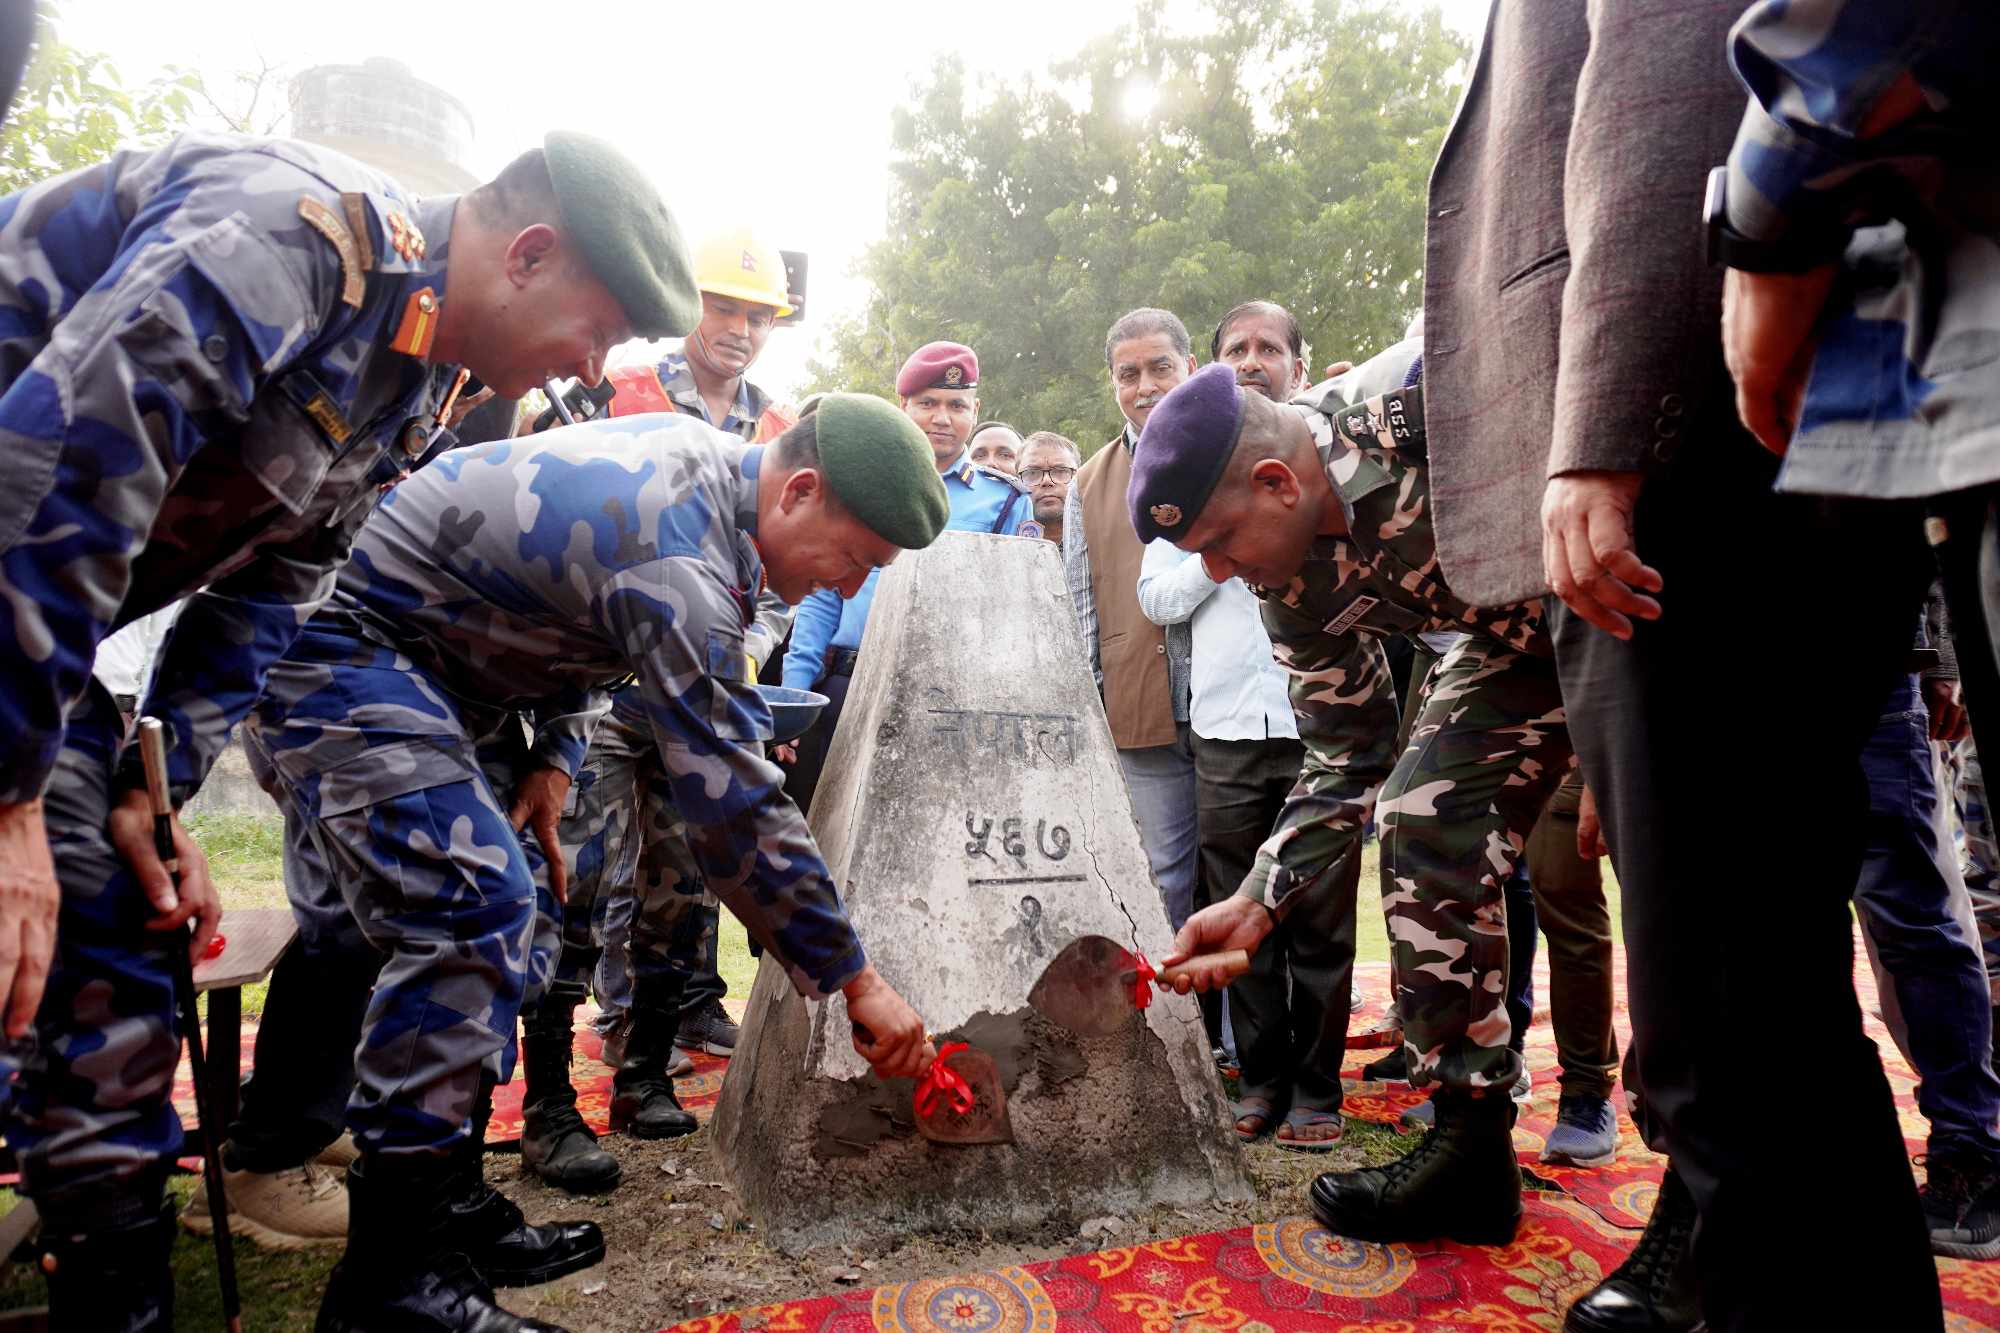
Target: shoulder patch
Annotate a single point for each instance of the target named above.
(355, 205)
(340, 236)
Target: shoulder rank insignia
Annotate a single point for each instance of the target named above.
(323, 220)
(405, 238)
(418, 325)
(355, 205)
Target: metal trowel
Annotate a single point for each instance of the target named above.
(976, 1111)
(1090, 986)
(962, 1100)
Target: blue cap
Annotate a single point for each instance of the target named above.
(1183, 452)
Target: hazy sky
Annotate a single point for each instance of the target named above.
(759, 111)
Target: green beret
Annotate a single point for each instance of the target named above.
(619, 223)
(882, 468)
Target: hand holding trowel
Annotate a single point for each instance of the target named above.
(1095, 984)
(959, 1098)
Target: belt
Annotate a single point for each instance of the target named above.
(840, 661)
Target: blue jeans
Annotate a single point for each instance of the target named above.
(1916, 919)
(1160, 781)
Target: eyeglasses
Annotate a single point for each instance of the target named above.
(1036, 475)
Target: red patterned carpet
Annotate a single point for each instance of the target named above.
(1295, 1277)
(592, 1077)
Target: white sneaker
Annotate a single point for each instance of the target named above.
(340, 1154)
(300, 1208)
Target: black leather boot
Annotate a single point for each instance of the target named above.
(495, 1234)
(112, 1278)
(643, 1102)
(555, 1143)
(402, 1272)
(1653, 1291)
(1461, 1183)
(1393, 1067)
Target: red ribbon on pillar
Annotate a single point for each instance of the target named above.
(1142, 981)
(941, 1081)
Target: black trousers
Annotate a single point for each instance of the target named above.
(1786, 620)
(1571, 910)
(1290, 1010)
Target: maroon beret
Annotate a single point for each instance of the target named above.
(938, 366)
(1184, 451)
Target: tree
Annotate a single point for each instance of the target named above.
(74, 109)
(1281, 153)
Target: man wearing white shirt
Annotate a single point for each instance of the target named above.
(1290, 1011)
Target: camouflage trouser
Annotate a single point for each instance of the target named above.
(302, 1072)
(1486, 750)
(636, 907)
(91, 1117)
(1978, 852)
(402, 782)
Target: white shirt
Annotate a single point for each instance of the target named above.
(1238, 691)
(124, 662)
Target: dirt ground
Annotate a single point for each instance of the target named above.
(680, 1246)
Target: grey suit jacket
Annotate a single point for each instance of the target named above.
(1571, 319)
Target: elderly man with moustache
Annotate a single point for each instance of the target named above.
(1141, 667)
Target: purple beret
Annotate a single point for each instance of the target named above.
(938, 366)
(1183, 452)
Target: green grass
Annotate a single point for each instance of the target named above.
(246, 856)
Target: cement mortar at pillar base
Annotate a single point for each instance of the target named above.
(974, 815)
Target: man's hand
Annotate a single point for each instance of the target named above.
(1946, 705)
(1590, 842)
(538, 801)
(888, 1034)
(29, 901)
(1233, 923)
(1337, 368)
(131, 831)
(467, 404)
(1769, 324)
(1587, 550)
(788, 753)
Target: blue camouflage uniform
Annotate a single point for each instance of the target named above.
(200, 397)
(982, 500)
(1903, 399)
(531, 574)
(621, 906)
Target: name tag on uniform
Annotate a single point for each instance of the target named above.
(1347, 619)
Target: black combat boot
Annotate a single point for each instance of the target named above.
(403, 1272)
(643, 1102)
(1653, 1291)
(1461, 1183)
(493, 1232)
(1391, 1068)
(112, 1278)
(555, 1143)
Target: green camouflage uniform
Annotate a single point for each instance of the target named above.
(1456, 807)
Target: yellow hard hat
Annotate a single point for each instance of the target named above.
(735, 263)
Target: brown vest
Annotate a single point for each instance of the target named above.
(1138, 698)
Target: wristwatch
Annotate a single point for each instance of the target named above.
(1795, 252)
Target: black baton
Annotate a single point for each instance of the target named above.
(153, 751)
